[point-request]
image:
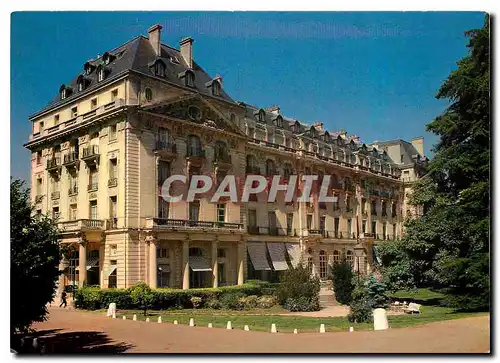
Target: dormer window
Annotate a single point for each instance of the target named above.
(64, 92)
(82, 83)
(262, 116)
(216, 88)
(107, 58)
(88, 68)
(159, 69)
(279, 122)
(100, 74)
(190, 79)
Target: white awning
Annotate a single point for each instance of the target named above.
(293, 250)
(258, 256)
(92, 262)
(277, 253)
(111, 269)
(199, 263)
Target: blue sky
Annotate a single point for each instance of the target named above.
(373, 74)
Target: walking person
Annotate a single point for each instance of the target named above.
(63, 299)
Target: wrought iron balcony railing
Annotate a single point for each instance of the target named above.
(184, 223)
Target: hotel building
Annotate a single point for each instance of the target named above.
(143, 111)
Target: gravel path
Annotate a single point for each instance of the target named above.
(81, 332)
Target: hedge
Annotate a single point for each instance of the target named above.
(93, 298)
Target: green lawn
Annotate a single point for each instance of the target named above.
(261, 320)
(423, 295)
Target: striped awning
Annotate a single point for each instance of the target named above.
(92, 262)
(277, 253)
(199, 263)
(258, 256)
(111, 269)
(293, 250)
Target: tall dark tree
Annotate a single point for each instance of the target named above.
(448, 246)
(34, 260)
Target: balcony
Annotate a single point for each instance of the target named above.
(92, 187)
(113, 182)
(38, 198)
(82, 225)
(271, 231)
(195, 156)
(166, 150)
(112, 223)
(252, 170)
(91, 155)
(223, 161)
(72, 191)
(70, 160)
(55, 195)
(54, 165)
(184, 224)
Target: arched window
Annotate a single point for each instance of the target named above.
(232, 118)
(353, 159)
(341, 155)
(262, 116)
(194, 145)
(322, 265)
(287, 170)
(350, 258)
(270, 167)
(221, 152)
(336, 256)
(216, 88)
(159, 69)
(252, 165)
(148, 94)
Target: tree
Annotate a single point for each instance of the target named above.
(360, 304)
(34, 256)
(142, 296)
(448, 246)
(377, 292)
(342, 281)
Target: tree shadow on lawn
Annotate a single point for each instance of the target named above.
(81, 342)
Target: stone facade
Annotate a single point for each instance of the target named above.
(101, 154)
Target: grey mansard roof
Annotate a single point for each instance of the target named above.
(138, 55)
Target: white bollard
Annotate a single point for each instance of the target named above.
(147, 320)
(124, 317)
(114, 316)
(35, 343)
(159, 320)
(175, 322)
(134, 318)
(351, 329)
(209, 325)
(111, 309)
(380, 319)
(295, 331)
(246, 328)
(273, 328)
(229, 326)
(191, 322)
(322, 328)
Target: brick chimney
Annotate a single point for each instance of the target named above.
(155, 38)
(418, 144)
(186, 46)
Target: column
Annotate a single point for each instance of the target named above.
(369, 217)
(153, 264)
(185, 265)
(82, 264)
(215, 265)
(241, 259)
(102, 249)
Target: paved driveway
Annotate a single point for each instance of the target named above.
(76, 331)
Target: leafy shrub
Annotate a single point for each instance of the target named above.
(142, 296)
(266, 301)
(302, 303)
(342, 279)
(361, 310)
(232, 301)
(249, 302)
(377, 292)
(196, 301)
(296, 283)
(88, 297)
(213, 304)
